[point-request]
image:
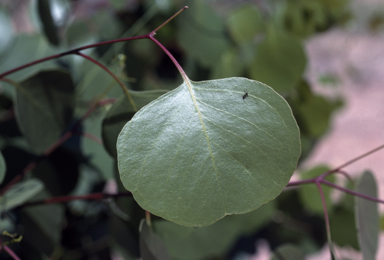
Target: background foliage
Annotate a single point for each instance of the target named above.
(262, 40)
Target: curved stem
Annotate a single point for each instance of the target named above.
(359, 157)
(124, 88)
(171, 18)
(330, 184)
(326, 218)
(182, 72)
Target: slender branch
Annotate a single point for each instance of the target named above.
(167, 21)
(295, 183)
(359, 157)
(326, 217)
(92, 196)
(73, 51)
(183, 74)
(124, 88)
(351, 191)
(11, 253)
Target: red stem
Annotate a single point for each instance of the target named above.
(92, 196)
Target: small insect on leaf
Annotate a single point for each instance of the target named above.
(245, 95)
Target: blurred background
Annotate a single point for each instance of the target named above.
(325, 57)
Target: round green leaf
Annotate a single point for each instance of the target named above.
(367, 216)
(121, 112)
(203, 151)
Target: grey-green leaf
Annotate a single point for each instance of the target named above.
(3, 168)
(151, 245)
(121, 112)
(20, 193)
(202, 151)
(367, 216)
(44, 105)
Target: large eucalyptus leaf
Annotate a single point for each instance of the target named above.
(44, 105)
(121, 112)
(206, 150)
(367, 216)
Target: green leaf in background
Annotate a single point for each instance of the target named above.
(20, 193)
(201, 151)
(279, 61)
(212, 241)
(120, 113)
(309, 194)
(6, 31)
(288, 252)
(44, 106)
(201, 33)
(230, 65)
(244, 23)
(43, 224)
(313, 112)
(27, 48)
(151, 246)
(367, 216)
(343, 227)
(3, 168)
(46, 19)
(94, 150)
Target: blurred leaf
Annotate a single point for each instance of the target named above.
(343, 228)
(120, 113)
(6, 32)
(27, 48)
(3, 168)
(280, 61)
(44, 106)
(309, 194)
(230, 65)
(201, 151)
(43, 224)
(367, 216)
(49, 26)
(201, 33)
(215, 240)
(288, 252)
(244, 23)
(303, 18)
(151, 246)
(20, 193)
